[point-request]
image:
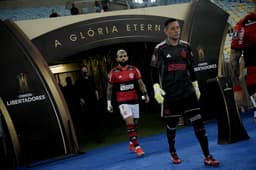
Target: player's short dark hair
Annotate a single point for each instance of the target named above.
(169, 20)
(120, 52)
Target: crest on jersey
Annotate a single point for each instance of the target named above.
(131, 75)
(168, 56)
(183, 54)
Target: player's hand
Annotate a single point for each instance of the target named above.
(109, 106)
(196, 87)
(238, 94)
(82, 102)
(158, 93)
(145, 98)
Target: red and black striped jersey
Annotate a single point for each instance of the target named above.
(244, 38)
(124, 80)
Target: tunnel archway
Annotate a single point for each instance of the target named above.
(85, 39)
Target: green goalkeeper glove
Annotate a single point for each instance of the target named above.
(158, 93)
(196, 87)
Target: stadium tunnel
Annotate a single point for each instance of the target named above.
(34, 113)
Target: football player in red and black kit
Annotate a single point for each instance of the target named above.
(243, 55)
(176, 88)
(122, 80)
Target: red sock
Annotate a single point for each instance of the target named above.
(132, 134)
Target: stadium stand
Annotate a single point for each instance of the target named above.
(236, 9)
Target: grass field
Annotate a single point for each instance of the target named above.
(115, 131)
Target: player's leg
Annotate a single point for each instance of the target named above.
(127, 115)
(193, 114)
(201, 135)
(171, 111)
(251, 84)
(171, 135)
(136, 116)
(136, 113)
(252, 93)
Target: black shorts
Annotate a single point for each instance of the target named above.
(188, 106)
(251, 89)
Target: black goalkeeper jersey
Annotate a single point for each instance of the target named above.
(172, 67)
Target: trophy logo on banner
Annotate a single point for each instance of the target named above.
(201, 54)
(25, 94)
(23, 82)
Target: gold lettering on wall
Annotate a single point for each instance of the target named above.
(114, 29)
(157, 28)
(149, 27)
(141, 27)
(73, 37)
(57, 43)
(90, 33)
(82, 35)
(135, 27)
(128, 28)
(98, 32)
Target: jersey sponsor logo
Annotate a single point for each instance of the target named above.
(125, 87)
(173, 67)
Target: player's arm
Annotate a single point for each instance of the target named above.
(236, 52)
(154, 69)
(234, 68)
(241, 68)
(97, 95)
(192, 73)
(79, 93)
(190, 65)
(143, 90)
(155, 77)
(235, 74)
(154, 73)
(191, 62)
(109, 97)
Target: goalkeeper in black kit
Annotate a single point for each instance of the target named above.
(176, 88)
